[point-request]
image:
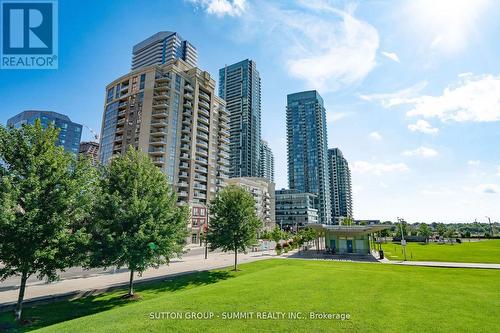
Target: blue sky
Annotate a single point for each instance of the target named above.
(412, 88)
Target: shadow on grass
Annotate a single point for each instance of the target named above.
(48, 314)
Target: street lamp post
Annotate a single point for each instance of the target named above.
(403, 241)
(206, 232)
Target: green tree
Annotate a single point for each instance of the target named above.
(441, 229)
(277, 235)
(234, 223)
(402, 225)
(138, 223)
(46, 197)
(348, 221)
(424, 231)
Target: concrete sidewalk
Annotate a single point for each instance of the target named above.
(442, 264)
(79, 287)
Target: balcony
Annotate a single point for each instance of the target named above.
(186, 130)
(184, 156)
(157, 151)
(120, 121)
(203, 127)
(158, 96)
(204, 96)
(163, 78)
(197, 176)
(224, 139)
(200, 195)
(122, 106)
(160, 105)
(224, 154)
(118, 138)
(184, 147)
(203, 112)
(159, 160)
(161, 86)
(183, 175)
(201, 169)
(200, 186)
(202, 160)
(159, 114)
(204, 120)
(185, 138)
(188, 96)
(184, 165)
(202, 152)
(204, 104)
(158, 131)
(224, 132)
(158, 141)
(202, 135)
(202, 144)
(188, 88)
(159, 123)
(182, 194)
(182, 184)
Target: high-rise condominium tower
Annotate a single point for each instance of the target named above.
(307, 148)
(266, 161)
(340, 185)
(239, 86)
(171, 112)
(162, 47)
(70, 133)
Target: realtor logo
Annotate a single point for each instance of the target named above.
(29, 34)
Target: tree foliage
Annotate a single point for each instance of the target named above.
(233, 221)
(138, 223)
(46, 197)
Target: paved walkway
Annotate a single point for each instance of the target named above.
(442, 264)
(78, 287)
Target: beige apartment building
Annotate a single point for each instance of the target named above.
(171, 112)
(263, 193)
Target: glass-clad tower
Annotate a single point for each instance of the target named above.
(161, 48)
(307, 148)
(340, 185)
(70, 133)
(239, 86)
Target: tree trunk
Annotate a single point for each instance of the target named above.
(131, 283)
(19, 305)
(235, 260)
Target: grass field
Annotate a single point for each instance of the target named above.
(485, 251)
(377, 297)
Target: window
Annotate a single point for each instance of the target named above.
(195, 211)
(194, 238)
(143, 81)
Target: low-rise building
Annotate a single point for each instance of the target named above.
(263, 193)
(90, 149)
(295, 208)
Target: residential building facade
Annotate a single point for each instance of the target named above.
(307, 148)
(240, 87)
(266, 161)
(163, 47)
(90, 149)
(294, 208)
(69, 135)
(263, 193)
(340, 185)
(171, 112)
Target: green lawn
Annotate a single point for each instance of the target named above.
(377, 297)
(485, 251)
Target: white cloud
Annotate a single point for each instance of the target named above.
(488, 188)
(445, 27)
(378, 168)
(423, 126)
(498, 171)
(222, 7)
(422, 151)
(391, 55)
(471, 98)
(376, 136)
(335, 116)
(474, 162)
(440, 191)
(325, 46)
(329, 48)
(389, 100)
